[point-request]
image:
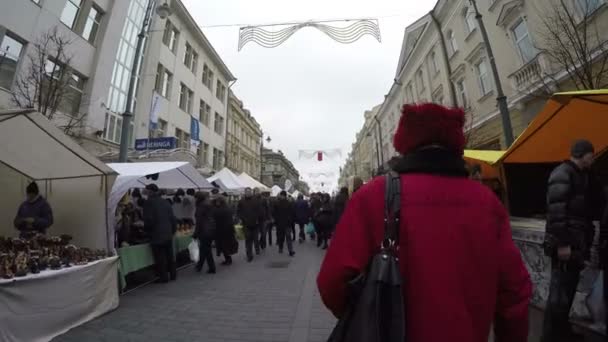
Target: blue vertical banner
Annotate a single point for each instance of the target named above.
(154, 111)
(195, 131)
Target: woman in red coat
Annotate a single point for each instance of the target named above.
(461, 271)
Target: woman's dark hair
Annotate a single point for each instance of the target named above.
(180, 192)
(190, 192)
(201, 196)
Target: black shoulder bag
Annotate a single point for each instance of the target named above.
(375, 310)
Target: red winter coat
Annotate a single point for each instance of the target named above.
(461, 270)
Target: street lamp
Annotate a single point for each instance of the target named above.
(268, 139)
(163, 11)
(500, 95)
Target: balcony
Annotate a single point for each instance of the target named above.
(529, 75)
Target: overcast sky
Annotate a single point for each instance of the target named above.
(309, 93)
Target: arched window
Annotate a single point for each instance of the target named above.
(452, 46)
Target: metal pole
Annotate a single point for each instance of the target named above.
(500, 98)
(127, 116)
(380, 138)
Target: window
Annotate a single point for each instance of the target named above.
(171, 36)
(190, 58)
(469, 19)
(438, 97)
(70, 12)
(164, 79)
(588, 6)
(185, 98)
(73, 96)
(69, 82)
(483, 78)
(92, 25)
(218, 159)
(183, 139)
(220, 91)
(205, 154)
(433, 60)
(419, 81)
(526, 49)
(10, 53)
(207, 77)
(218, 125)
(461, 93)
(204, 113)
(161, 129)
(113, 128)
(452, 46)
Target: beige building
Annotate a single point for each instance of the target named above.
(444, 60)
(243, 139)
(363, 160)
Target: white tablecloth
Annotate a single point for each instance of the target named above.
(41, 306)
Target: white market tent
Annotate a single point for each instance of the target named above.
(275, 191)
(295, 194)
(229, 180)
(166, 175)
(76, 184)
(252, 182)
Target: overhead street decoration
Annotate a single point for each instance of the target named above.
(264, 37)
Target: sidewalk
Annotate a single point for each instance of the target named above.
(274, 298)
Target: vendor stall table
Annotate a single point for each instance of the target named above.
(39, 307)
(137, 257)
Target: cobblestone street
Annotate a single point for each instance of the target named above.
(272, 299)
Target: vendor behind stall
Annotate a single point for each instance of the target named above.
(35, 214)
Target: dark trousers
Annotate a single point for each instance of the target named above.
(284, 234)
(251, 240)
(293, 232)
(302, 231)
(164, 260)
(206, 254)
(262, 237)
(564, 281)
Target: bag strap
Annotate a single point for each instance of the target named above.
(392, 210)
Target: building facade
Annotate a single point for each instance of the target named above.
(243, 139)
(364, 159)
(188, 82)
(277, 169)
(444, 60)
(94, 30)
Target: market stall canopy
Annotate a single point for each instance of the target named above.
(229, 179)
(295, 194)
(486, 160)
(252, 182)
(565, 118)
(75, 183)
(275, 191)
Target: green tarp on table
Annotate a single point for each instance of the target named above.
(137, 257)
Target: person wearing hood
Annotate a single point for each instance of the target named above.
(461, 271)
(160, 223)
(35, 214)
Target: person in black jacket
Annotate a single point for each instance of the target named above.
(249, 212)
(302, 216)
(205, 231)
(161, 224)
(226, 240)
(284, 218)
(324, 221)
(569, 235)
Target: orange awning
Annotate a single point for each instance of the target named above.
(485, 159)
(565, 118)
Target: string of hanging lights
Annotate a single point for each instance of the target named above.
(344, 35)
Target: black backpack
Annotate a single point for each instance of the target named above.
(375, 310)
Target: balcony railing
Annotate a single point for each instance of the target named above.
(529, 74)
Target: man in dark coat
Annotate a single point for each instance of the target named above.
(161, 224)
(324, 221)
(205, 232)
(302, 216)
(340, 203)
(35, 214)
(248, 211)
(569, 235)
(284, 218)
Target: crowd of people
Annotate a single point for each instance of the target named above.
(153, 216)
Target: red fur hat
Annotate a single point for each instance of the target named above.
(430, 124)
